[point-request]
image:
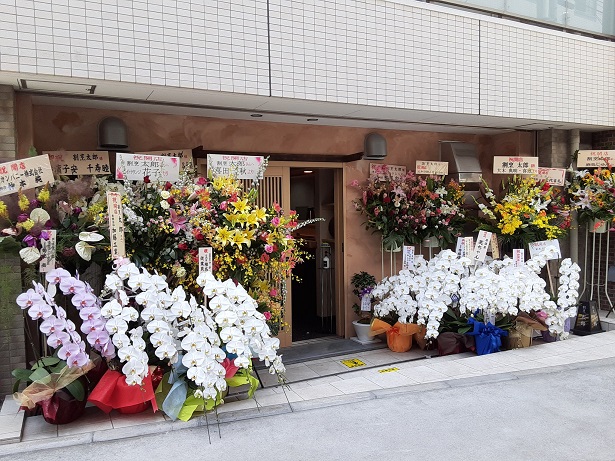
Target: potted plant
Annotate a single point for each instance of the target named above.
(363, 284)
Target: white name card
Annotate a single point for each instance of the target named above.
(135, 167)
(431, 167)
(468, 247)
(515, 165)
(25, 174)
(408, 257)
(495, 248)
(381, 171)
(48, 252)
(538, 247)
(116, 225)
(238, 166)
(518, 257)
(205, 259)
(366, 303)
(596, 158)
(79, 162)
(482, 244)
(553, 176)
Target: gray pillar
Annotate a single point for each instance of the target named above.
(575, 143)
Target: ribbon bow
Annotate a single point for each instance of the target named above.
(487, 336)
(403, 329)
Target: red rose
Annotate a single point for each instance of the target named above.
(387, 199)
(146, 179)
(171, 201)
(168, 185)
(182, 246)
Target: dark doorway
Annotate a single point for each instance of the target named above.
(313, 306)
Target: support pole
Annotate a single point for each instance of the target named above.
(575, 143)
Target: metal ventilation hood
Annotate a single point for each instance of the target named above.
(462, 158)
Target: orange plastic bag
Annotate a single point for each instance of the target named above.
(399, 336)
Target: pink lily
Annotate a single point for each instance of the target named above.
(178, 223)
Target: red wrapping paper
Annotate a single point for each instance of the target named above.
(61, 408)
(112, 393)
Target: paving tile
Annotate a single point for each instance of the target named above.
(237, 405)
(11, 427)
(316, 392)
(424, 374)
(119, 420)
(93, 419)
(278, 399)
(9, 406)
(324, 380)
(36, 428)
(353, 386)
(452, 368)
(327, 368)
(300, 372)
(391, 379)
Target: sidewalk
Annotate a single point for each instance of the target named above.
(336, 389)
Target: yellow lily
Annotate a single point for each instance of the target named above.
(223, 236)
(239, 238)
(241, 205)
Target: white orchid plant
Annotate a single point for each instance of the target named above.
(423, 293)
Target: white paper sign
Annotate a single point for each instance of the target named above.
(408, 257)
(553, 176)
(79, 162)
(238, 166)
(135, 167)
(518, 257)
(366, 303)
(184, 155)
(538, 247)
(495, 248)
(482, 244)
(381, 171)
(459, 249)
(431, 167)
(205, 259)
(515, 165)
(468, 247)
(596, 158)
(116, 225)
(48, 252)
(25, 174)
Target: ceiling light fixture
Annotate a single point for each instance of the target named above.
(312, 119)
(256, 115)
(308, 171)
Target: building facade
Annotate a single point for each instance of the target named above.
(306, 81)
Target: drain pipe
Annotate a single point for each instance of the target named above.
(575, 143)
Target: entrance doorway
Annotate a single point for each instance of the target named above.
(314, 306)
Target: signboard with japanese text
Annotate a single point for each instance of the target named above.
(538, 247)
(518, 257)
(48, 252)
(468, 247)
(79, 162)
(459, 248)
(135, 167)
(553, 176)
(596, 158)
(429, 167)
(515, 165)
(366, 303)
(495, 248)
(482, 244)
(184, 155)
(381, 170)
(205, 259)
(116, 224)
(408, 257)
(238, 166)
(25, 174)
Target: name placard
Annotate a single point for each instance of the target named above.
(48, 253)
(238, 166)
(205, 259)
(538, 247)
(553, 176)
(515, 165)
(430, 167)
(495, 248)
(116, 225)
(596, 158)
(25, 174)
(482, 244)
(518, 257)
(135, 167)
(408, 257)
(79, 162)
(468, 247)
(381, 171)
(184, 155)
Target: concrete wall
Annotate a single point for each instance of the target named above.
(402, 54)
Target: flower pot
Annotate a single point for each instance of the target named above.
(62, 407)
(362, 330)
(598, 226)
(419, 337)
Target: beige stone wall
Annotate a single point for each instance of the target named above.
(7, 123)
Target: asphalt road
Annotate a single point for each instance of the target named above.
(566, 414)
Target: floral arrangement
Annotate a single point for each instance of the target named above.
(494, 291)
(141, 321)
(362, 285)
(411, 208)
(423, 293)
(529, 211)
(593, 194)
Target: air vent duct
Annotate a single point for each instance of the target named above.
(375, 147)
(112, 134)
